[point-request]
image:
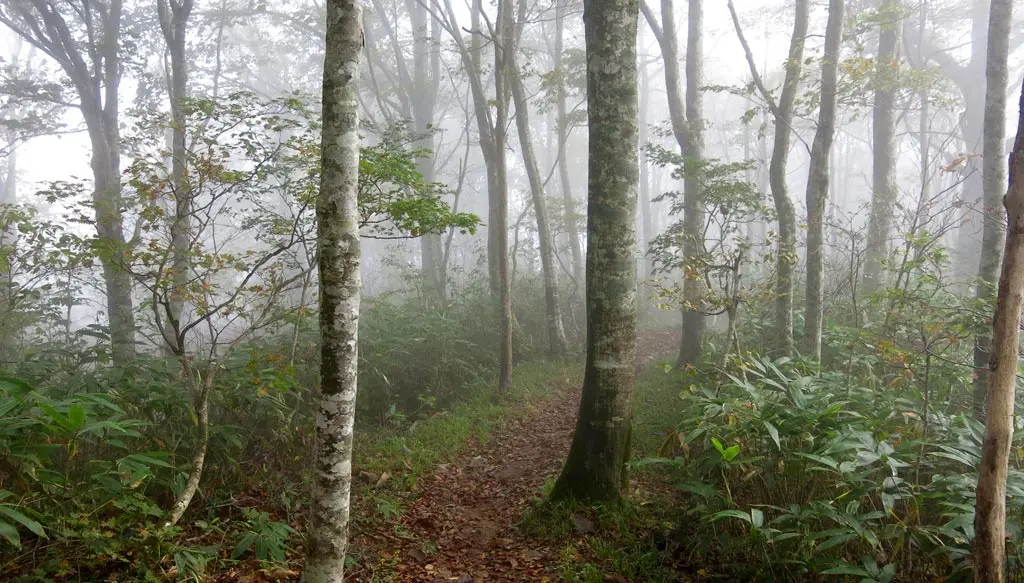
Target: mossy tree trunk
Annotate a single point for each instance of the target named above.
(595, 469)
(339, 259)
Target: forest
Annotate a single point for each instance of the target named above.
(591, 291)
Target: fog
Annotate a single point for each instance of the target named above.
(795, 252)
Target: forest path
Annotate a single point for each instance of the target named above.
(463, 525)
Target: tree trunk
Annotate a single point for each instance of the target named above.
(693, 199)
(556, 332)
(883, 164)
(990, 508)
(994, 177)
(687, 128)
(595, 469)
(200, 388)
(426, 75)
(782, 112)
(818, 180)
(499, 200)
(174, 16)
(568, 201)
(338, 237)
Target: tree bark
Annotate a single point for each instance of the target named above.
(818, 180)
(994, 180)
(883, 164)
(339, 262)
(595, 469)
(782, 112)
(557, 344)
(990, 508)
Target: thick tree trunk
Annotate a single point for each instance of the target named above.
(994, 176)
(557, 344)
(595, 469)
(570, 206)
(990, 508)
(338, 240)
(883, 165)
(818, 180)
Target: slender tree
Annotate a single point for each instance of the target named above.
(595, 469)
(993, 180)
(686, 117)
(782, 113)
(569, 203)
(883, 162)
(338, 243)
(818, 179)
(990, 508)
(174, 15)
(556, 331)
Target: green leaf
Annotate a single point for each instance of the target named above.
(846, 570)
(16, 515)
(730, 453)
(774, 433)
(718, 445)
(10, 533)
(76, 417)
(838, 540)
(244, 544)
(732, 514)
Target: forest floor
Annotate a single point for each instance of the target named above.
(464, 523)
(461, 520)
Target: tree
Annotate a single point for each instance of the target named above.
(595, 469)
(94, 69)
(557, 343)
(883, 129)
(492, 129)
(782, 112)
(174, 15)
(818, 179)
(686, 117)
(990, 508)
(338, 239)
(563, 122)
(993, 179)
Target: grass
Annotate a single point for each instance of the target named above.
(629, 538)
(441, 438)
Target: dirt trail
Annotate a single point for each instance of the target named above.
(463, 525)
